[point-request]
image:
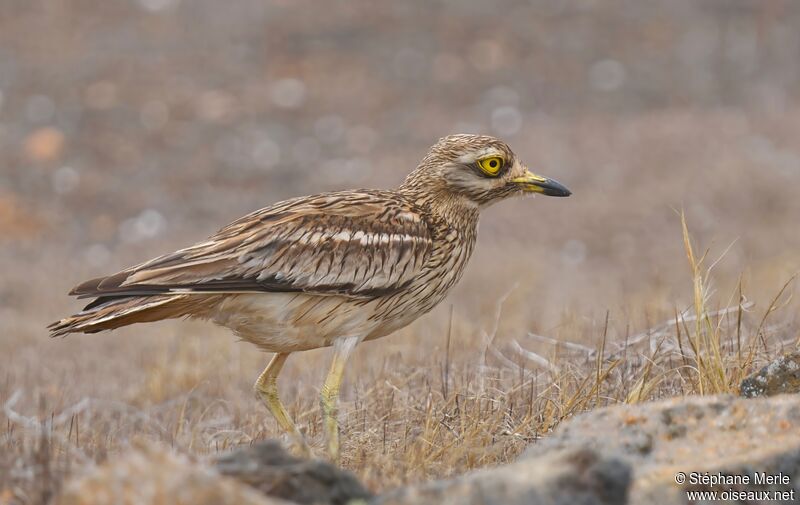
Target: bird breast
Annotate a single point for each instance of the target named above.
(452, 249)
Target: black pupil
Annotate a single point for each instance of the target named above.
(493, 163)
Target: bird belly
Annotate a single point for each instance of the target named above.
(289, 322)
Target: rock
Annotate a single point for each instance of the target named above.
(616, 455)
(579, 476)
(153, 476)
(721, 435)
(268, 468)
(780, 376)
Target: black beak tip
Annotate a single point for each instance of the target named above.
(554, 188)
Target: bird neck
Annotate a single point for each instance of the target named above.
(442, 204)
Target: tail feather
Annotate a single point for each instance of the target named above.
(115, 312)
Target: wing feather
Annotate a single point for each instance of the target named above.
(359, 244)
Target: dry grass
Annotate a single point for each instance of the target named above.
(474, 398)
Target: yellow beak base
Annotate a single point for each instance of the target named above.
(533, 183)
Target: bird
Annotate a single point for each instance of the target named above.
(327, 270)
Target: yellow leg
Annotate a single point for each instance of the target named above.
(329, 394)
(267, 388)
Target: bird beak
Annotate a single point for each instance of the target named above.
(533, 183)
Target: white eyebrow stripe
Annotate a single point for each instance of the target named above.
(476, 155)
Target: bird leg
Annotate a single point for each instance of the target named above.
(267, 388)
(329, 394)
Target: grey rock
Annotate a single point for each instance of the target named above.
(721, 435)
(274, 472)
(574, 476)
(152, 475)
(780, 376)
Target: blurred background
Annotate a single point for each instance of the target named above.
(129, 128)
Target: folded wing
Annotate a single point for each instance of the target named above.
(357, 244)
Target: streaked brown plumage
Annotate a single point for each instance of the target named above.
(328, 269)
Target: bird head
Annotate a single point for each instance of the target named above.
(478, 169)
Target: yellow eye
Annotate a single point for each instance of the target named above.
(491, 166)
